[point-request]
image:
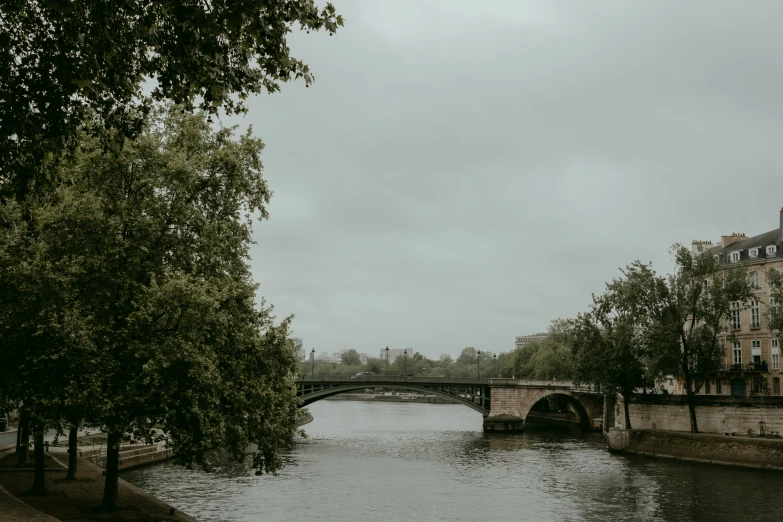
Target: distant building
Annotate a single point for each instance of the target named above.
(299, 348)
(524, 340)
(363, 356)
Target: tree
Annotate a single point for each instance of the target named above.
(467, 356)
(774, 314)
(351, 358)
(609, 340)
(165, 296)
(47, 349)
(64, 61)
(689, 312)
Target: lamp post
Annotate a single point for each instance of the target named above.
(562, 362)
(312, 360)
(478, 361)
(387, 361)
(495, 361)
(405, 364)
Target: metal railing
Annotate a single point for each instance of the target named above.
(394, 378)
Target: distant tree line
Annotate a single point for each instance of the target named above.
(545, 360)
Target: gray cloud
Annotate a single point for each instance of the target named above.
(461, 172)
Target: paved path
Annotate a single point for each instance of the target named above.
(7, 438)
(14, 510)
(75, 501)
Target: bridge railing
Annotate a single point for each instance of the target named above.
(395, 378)
(545, 384)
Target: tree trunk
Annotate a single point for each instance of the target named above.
(112, 472)
(39, 484)
(627, 413)
(23, 447)
(72, 453)
(691, 401)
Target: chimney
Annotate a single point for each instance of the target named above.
(697, 247)
(734, 237)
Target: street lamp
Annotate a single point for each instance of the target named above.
(387, 361)
(405, 363)
(312, 359)
(478, 361)
(495, 361)
(562, 362)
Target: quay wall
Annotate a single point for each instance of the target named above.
(746, 452)
(714, 414)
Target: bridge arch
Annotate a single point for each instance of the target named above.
(478, 402)
(583, 411)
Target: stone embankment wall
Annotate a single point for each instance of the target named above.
(130, 456)
(713, 449)
(714, 414)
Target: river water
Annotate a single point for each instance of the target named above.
(369, 461)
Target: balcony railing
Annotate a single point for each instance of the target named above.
(749, 367)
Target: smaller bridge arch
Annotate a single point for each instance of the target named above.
(584, 417)
(512, 400)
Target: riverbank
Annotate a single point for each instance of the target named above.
(744, 452)
(76, 501)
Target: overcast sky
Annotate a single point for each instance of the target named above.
(463, 172)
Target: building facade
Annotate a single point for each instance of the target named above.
(751, 363)
(524, 340)
(299, 348)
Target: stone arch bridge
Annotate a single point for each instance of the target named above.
(504, 403)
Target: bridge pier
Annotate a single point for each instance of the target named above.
(503, 423)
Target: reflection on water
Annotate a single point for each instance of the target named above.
(421, 462)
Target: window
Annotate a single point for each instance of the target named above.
(755, 317)
(756, 384)
(707, 386)
(776, 385)
(737, 352)
(735, 316)
(753, 253)
(775, 355)
(718, 387)
(754, 279)
(734, 257)
(771, 249)
(755, 351)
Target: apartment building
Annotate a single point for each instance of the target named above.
(752, 361)
(524, 340)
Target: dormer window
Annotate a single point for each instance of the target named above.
(734, 256)
(771, 250)
(717, 258)
(753, 253)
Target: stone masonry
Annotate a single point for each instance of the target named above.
(721, 416)
(513, 399)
